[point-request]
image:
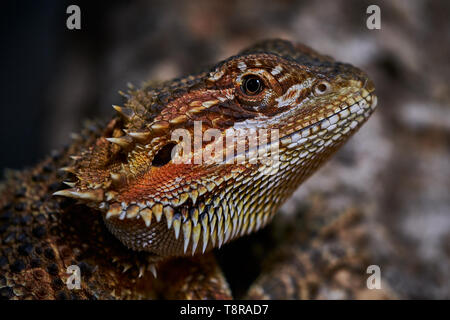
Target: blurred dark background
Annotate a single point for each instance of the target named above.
(397, 165)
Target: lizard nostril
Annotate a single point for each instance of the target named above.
(164, 155)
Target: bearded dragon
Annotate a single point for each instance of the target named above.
(116, 204)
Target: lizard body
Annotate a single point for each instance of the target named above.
(123, 175)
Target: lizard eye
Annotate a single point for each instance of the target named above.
(252, 85)
(322, 87)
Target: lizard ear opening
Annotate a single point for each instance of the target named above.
(164, 155)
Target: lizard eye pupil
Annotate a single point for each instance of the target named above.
(321, 87)
(252, 85)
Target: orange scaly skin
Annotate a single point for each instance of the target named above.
(122, 173)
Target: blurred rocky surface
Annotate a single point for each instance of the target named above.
(396, 168)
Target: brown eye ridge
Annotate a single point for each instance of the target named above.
(252, 85)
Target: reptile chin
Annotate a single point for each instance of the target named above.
(152, 204)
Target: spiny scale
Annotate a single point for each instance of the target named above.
(126, 113)
(91, 195)
(123, 142)
(142, 136)
(187, 227)
(196, 231)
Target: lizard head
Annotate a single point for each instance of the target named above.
(168, 174)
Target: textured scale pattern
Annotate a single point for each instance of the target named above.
(122, 172)
(208, 205)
